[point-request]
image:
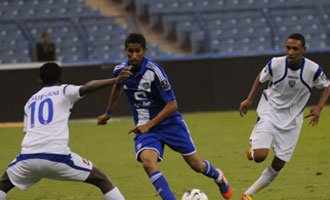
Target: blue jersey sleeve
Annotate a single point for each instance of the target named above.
(118, 69)
(164, 85)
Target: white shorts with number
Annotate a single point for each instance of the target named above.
(283, 142)
(28, 169)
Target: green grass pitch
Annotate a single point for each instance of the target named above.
(220, 137)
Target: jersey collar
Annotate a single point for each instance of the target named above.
(143, 67)
(300, 65)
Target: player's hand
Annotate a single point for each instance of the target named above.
(244, 106)
(141, 129)
(314, 115)
(123, 75)
(103, 119)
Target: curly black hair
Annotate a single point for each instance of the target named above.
(298, 36)
(50, 73)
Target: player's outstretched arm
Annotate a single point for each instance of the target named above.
(315, 111)
(246, 103)
(98, 84)
(169, 108)
(95, 85)
(113, 99)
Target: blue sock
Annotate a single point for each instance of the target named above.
(161, 186)
(210, 171)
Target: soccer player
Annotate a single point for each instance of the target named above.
(280, 110)
(157, 121)
(45, 152)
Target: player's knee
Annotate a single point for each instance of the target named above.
(149, 159)
(149, 164)
(259, 159)
(260, 155)
(100, 180)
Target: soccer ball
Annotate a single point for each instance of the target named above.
(194, 194)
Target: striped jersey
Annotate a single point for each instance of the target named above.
(289, 90)
(148, 91)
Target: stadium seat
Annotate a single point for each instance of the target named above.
(306, 21)
(13, 46)
(217, 27)
(63, 34)
(104, 37)
(238, 32)
(19, 9)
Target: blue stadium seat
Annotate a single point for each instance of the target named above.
(306, 21)
(22, 9)
(223, 27)
(325, 17)
(238, 31)
(67, 40)
(104, 37)
(13, 46)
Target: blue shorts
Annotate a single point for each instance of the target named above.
(175, 135)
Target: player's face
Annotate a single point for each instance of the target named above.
(294, 50)
(45, 38)
(135, 53)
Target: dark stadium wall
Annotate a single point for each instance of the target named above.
(200, 85)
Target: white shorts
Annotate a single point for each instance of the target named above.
(283, 142)
(28, 169)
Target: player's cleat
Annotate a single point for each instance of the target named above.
(224, 187)
(248, 154)
(246, 197)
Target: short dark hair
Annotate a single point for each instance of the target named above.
(135, 38)
(50, 73)
(298, 36)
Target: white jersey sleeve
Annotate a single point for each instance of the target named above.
(266, 73)
(72, 92)
(24, 123)
(321, 81)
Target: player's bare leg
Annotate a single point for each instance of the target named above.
(149, 159)
(5, 186)
(101, 181)
(206, 168)
(278, 164)
(267, 176)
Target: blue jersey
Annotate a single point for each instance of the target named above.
(148, 91)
